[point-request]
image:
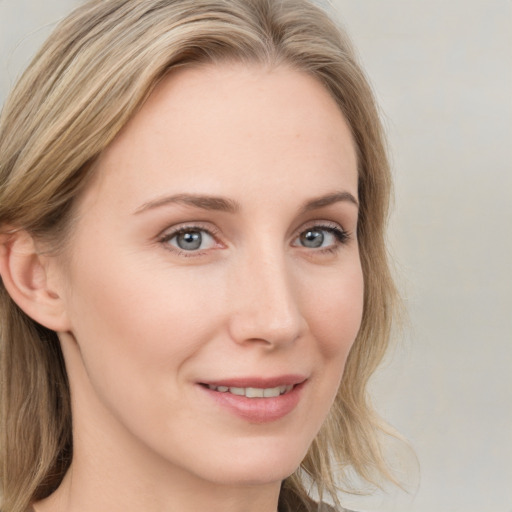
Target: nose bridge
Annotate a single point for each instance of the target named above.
(266, 304)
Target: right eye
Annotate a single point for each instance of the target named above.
(190, 239)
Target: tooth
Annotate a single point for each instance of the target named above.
(254, 393)
(211, 386)
(271, 392)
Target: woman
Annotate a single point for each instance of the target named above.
(195, 287)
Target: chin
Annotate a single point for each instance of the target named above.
(261, 466)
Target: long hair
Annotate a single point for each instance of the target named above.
(90, 77)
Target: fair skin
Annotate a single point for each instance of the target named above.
(257, 284)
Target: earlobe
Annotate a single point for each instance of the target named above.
(25, 275)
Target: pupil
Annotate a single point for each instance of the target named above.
(189, 240)
(312, 239)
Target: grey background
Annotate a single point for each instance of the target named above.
(442, 71)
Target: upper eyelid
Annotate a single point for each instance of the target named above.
(325, 224)
(341, 234)
(180, 228)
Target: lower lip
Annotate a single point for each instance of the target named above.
(257, 410)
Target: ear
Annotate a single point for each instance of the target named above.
(30, 279)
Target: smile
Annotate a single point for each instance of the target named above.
(253, 392)
(257, 400)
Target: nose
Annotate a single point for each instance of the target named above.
(265, 305)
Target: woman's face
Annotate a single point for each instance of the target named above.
(213, 282)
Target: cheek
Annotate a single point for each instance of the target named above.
(335, 312)
(129, 317)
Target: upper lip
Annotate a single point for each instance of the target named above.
(257, 382)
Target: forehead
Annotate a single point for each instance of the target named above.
(211, 124)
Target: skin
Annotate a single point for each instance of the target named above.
(145, 322)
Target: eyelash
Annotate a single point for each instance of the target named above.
(342, 237)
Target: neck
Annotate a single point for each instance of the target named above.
(83, 495)
(108, 478)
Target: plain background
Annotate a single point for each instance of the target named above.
(442, 72)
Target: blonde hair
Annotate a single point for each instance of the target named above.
(87, 81)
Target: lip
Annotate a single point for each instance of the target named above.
(257, 382)
(257, 410)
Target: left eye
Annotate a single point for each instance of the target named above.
(319, 237)
(191, 240)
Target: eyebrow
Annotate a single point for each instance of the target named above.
(230, 206)
(327, 200)
(199, 201)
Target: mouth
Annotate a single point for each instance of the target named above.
(257, 400)
(253, 392)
